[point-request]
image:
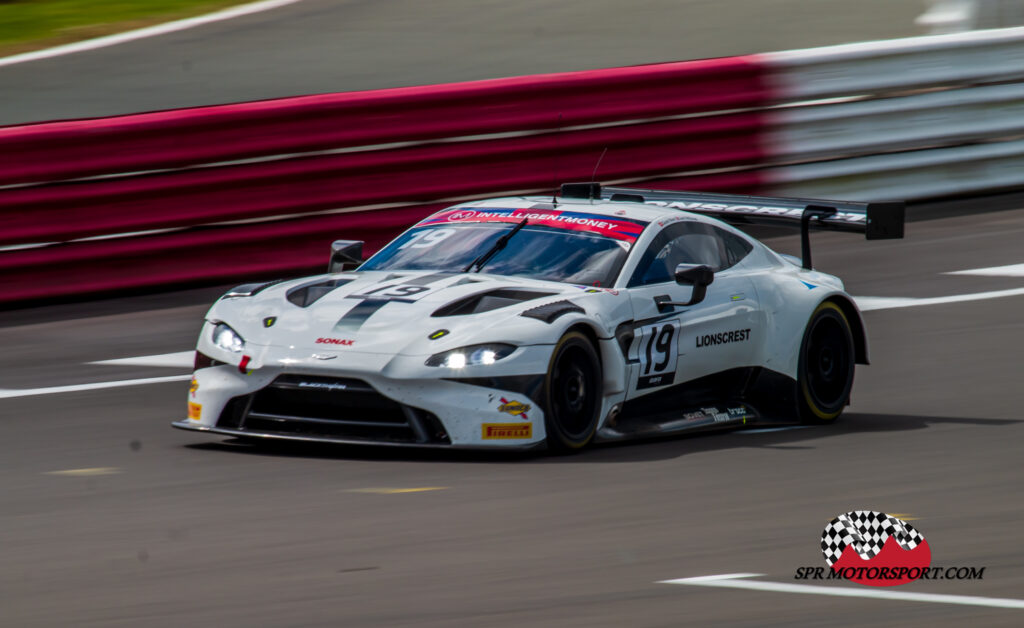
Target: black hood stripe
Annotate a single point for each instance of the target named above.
(358, 315)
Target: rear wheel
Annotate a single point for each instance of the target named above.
(825, 372)
(572, 393)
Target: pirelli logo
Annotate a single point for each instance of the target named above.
(503, 431)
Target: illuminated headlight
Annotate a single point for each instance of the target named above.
(471, 356)
(227, 338)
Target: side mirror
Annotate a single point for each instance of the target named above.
(345, 255)
(698, 276)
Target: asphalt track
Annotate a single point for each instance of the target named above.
(159, 527)
(318, 46)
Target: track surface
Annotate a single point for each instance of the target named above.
(320, 46)
(192, 530)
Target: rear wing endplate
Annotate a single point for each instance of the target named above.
(877, 221)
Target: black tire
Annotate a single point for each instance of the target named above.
(572, 393)
(825, 371)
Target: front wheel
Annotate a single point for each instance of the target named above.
(825, 372)
(572, 393)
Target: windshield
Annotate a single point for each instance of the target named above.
(555, 246)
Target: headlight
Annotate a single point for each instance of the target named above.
(471, 356)
(227, 338)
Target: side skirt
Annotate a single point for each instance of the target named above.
(728, 399)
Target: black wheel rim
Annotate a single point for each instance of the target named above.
(573, 382)
(827, 362)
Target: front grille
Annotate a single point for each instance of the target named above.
(331, 407)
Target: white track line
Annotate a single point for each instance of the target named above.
(151, 31)
(887, 303)
(181, 359)
(736, 581)
(30, 392)
(1013, 270)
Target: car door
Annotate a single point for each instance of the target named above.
(674, 344)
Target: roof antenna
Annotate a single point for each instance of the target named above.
(558, 134)
(593, 176)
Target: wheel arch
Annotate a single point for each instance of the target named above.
(588, 330)
(852, 314)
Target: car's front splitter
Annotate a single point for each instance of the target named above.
(243, 433)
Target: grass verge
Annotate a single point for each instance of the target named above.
(34, 24)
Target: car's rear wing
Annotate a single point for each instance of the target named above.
(877, 221)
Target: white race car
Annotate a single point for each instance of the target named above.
(596, 315)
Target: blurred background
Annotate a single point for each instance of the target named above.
(318, 46)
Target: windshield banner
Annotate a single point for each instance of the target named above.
(609, 226)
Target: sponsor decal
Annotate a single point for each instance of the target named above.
(668, 221)
(243, 365)
(716, 415)
(332, 386)
(440, 333)
(343, 342)
(738, 297)
(810, 286)
(195, 410)
(723, 337)
(193, 386)
(515, 408)
(596, 289)
(506, 431)
(879, 550)
(460, 215)
(269, 321)
(719, 415)
(790, 212)
(609, 226)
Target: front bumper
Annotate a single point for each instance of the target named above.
(311, 402)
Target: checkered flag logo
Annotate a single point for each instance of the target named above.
(866, 531)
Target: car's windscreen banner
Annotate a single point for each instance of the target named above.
(623, 229)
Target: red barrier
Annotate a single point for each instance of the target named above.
(525, 134)
(207, 195)
(171, 139)
(219, 254)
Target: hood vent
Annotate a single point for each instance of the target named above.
(549, 312)
(308, 294)
(490, 300)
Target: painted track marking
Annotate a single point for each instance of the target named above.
(395, 491)
(740, 581)
(180, 359)
(150, 31)
(1013, 270)
(886, 303)
(29, 392)
(86, 472)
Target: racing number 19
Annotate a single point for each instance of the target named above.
(658, 350)
(662, 341)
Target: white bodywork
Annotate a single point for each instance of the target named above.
(764, 293)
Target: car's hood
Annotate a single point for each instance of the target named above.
(411, 312)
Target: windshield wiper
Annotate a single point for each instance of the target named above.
(498, 246)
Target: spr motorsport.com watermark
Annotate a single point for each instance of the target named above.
(879, 550)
